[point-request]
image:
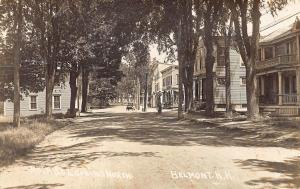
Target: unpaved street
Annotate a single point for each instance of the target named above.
(112, 148)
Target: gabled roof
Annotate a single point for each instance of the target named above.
(280, 29)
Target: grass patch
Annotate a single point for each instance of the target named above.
(18, 141)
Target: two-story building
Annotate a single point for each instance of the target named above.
(170, 86)
(35, 103)
(156, 81)
(278, 68)
(237, 77)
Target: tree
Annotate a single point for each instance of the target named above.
(17, 59)
(125, 87)
(212, 16)
(176, 26)
(12, 20)
(47, 19)
(227, 41)
(31, 69)
(243, 13)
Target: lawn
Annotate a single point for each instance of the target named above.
(18, 141)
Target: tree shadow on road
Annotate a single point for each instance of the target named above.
(36, 186)
(73, 156)
(289, 170)
(154, 129)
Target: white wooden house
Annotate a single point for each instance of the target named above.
(170, 86)
(278, 69)
(156, 81)
(34, 103)
(237, 75)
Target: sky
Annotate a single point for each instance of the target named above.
(266, 20)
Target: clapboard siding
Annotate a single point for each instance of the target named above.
(238, 91)
(63, 90)
(1, 108)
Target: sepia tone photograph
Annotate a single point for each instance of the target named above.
(149, 94)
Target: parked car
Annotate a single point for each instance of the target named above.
(130, 107)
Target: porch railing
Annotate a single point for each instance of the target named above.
(289, 59)
(271, 99)
(287, 99)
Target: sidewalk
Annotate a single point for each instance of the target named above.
(277, 132)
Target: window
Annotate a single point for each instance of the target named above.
(294, 85)
(221, 81)
(268, 53)
(243, 80)
(221, 56)
(201, 57)
(57, 81)
(168, 80)
(164, 82)
(56, 102)
(244, 105)
(259, 54)
(222, 106)
(33, 102)
(177, 78)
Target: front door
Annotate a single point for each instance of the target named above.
(270, 89)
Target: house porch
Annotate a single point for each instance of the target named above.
(279, 92)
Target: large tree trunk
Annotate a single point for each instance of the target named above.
(228, 80)
(251, 90)
(209, 60)
(179, 42)
(248, 48)
(50, 76)
(52, 47)
(184, 42)
(209, 82)
(209, 64)
(85, 85)
(146, 93)
(180, 90)
(188, 100)
(251, 85)
(227, 39)
(138, 92)
(17, 60)
(74, 88)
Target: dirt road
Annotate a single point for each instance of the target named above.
(116, 149)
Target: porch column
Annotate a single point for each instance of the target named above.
(298, 49)
(262, 82)
(194, 89)
(200, 89)
(298, 85)
(279, 88)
